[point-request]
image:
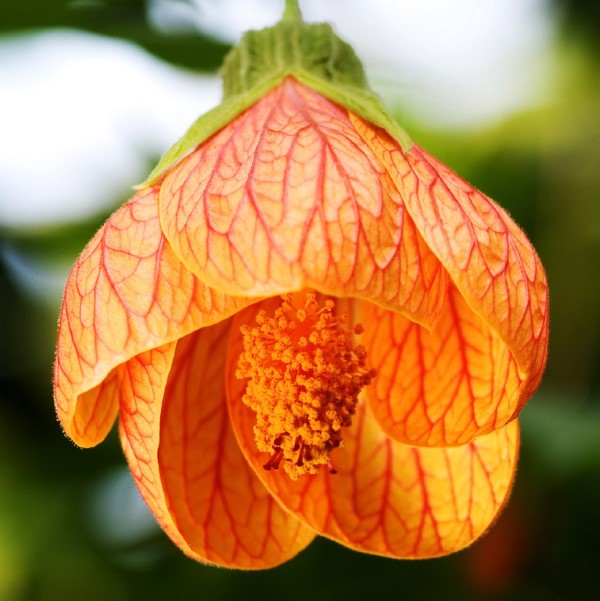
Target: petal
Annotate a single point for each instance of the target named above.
(443, 387)
(288, 196)
(186, 461)
(388, 498)
(126, 293)
(487, 256)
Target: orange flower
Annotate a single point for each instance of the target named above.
(373, 404)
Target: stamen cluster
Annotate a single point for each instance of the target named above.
(304, 377)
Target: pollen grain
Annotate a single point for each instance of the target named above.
(304, 376)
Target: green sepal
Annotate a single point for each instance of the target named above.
(311, 53)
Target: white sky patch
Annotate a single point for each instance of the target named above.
(79, 115)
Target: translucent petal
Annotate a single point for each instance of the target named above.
(127, 293)
(187, 464)
(443, 387)
(288, 196)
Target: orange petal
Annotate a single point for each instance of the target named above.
(443, 387)
(127, 293)
(288, 196)
(186, 461)
(388, 498)
(487, 256)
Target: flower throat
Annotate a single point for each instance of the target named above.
(304, 377)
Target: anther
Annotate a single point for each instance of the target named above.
(300, 462)
(274, 461)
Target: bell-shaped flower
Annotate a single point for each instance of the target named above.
(306, 324)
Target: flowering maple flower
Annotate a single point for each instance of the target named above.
(306, 323)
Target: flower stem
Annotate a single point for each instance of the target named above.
(292, 11)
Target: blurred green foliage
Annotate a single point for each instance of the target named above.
(542, 165)
(122, 19)
(582, 17)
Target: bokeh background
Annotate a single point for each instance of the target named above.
(507, 92)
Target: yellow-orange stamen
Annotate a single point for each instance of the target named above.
(304, 377)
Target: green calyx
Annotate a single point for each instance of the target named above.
(291, 48)
(312, 54)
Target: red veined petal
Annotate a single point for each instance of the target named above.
(187, 464)
(141, 386)
(288, 196)
(487, 256)
(387, 498)
(443, 387)
(126, 293)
